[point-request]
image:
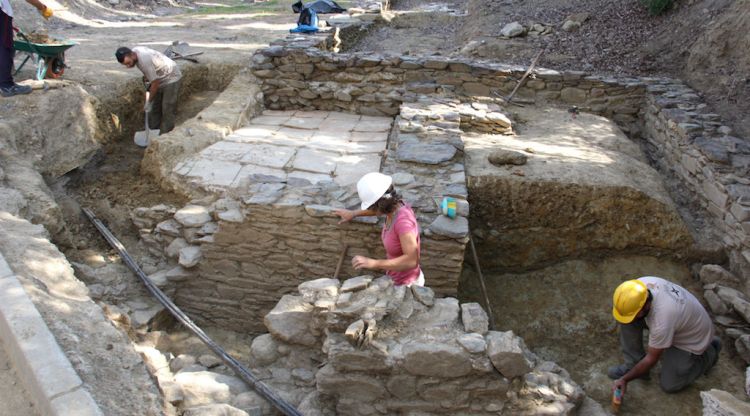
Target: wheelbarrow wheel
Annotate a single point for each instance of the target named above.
(55, 68)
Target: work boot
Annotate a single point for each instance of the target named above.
(15, 89)
(716, 344)
(617, 371)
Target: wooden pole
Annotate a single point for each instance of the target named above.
(481, 281)
(341, 261)
(523, 78)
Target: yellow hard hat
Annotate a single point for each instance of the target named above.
(628, 300)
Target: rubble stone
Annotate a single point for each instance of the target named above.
(433, 360)
(507, 157)
(290, 319)
(192, 216)
(721, 403)
(508, 354)
(474, 318)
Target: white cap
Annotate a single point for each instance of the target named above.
(372, 187)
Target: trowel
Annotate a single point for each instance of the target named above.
(142, 137)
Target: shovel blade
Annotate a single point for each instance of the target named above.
(142, 137)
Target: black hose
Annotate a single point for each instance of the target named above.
(235, 365)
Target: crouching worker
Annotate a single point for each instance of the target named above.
(163, 77)
(681, 334)
(400, 234)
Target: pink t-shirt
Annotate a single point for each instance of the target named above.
(404, 222)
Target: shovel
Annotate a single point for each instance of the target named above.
(142, 137)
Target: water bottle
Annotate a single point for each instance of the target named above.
(616, 400)
(448, 207)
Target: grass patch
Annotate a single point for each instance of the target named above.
(270, 6)
(657, 7)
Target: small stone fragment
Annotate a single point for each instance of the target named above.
(507, 157)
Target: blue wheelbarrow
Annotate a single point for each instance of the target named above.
(49, 58)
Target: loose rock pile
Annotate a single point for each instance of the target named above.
(418, 354)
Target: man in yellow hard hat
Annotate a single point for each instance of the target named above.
(681, 333)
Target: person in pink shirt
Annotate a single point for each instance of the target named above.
(400, 234)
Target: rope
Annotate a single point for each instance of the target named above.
(230, 361)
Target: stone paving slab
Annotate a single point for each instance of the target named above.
(309, 176)
(46, 372)
(343, 116)
(246, 174)
(351, 167)
(316, 146)
(213, 172)
(270, 120)
(226, 150)
(304, 123)
(360, 136)
(311, 114)
(269, 155)
(317, 161)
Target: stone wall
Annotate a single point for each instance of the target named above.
(685, 139)
(691, 144)
(304, 76)
(394, 350)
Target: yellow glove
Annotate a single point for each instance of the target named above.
(46, 12)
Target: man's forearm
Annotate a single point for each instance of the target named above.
(36, 3)
(643, 367)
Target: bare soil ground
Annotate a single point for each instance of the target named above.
(699, 41)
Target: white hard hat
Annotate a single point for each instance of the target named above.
(371, 187)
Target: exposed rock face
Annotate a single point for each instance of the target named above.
(419, 359)
(721, 403)
(579, 191)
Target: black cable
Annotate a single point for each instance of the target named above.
(245, 374)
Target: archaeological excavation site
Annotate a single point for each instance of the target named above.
(549, 150)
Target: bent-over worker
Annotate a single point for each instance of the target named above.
(681, 334)
(400, 234)
(164, 79)
(8, 87)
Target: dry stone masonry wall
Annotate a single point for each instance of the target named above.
(685, 139)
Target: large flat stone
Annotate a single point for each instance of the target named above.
(316, 161)
(253, 173)
(436, 360)
(431, 154)
(269, 120)
(212, 172)
(722, 403)
(192, 215)
(361, 136)
(450, 227)
(313, 178)
(352, 167)
(268, 155)
(290, 320)
(226, 150)
(251, 134)
(304, 123)
(374, 125)
(508, 354)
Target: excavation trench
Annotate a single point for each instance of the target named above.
(246, 184)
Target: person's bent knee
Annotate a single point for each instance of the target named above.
(672, 387)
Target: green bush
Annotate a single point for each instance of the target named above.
(657, 7)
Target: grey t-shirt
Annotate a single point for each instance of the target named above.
(155, 65)
(676, 318)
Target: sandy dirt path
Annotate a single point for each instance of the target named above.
(15, 400)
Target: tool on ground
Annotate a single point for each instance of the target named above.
(341, 261)
(523, 78)
(616, 400)
(245, 374)
(142, 138)
(179, 50)
(481, 281)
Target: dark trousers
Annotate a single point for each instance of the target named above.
(165, 108)
(679, 368)
(6, 50)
